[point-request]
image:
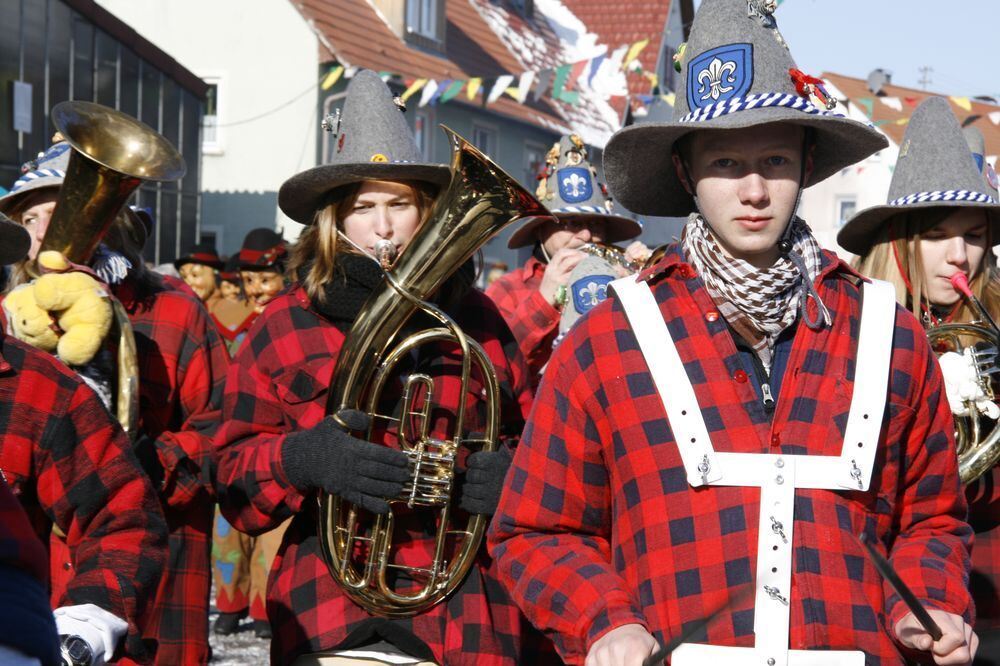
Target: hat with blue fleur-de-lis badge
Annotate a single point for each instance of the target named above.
(936, 169)
(569, 188)
(371, 141)
(736, 72)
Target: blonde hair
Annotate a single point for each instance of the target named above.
(895, 257)
(312, 258)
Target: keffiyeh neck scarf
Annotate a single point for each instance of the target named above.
(758, 303)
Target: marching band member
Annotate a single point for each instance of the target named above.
(182, 365)
(726, 423)
(276, 450)
(942, 219)
(532, 298)
(71, 467)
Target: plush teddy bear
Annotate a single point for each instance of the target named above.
(77, 301)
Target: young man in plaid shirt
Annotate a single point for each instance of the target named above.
(734, 419)
(182, 365)
(72, 469)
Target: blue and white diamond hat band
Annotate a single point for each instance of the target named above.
(570, 190)
(48, 170)
(937, 168)
(735, 73)
(14, 241)
(371, 141)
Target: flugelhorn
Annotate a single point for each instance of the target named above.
(112, 154)
(978, 447)
(480, 201)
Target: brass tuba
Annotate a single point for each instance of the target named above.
(112, 154)
(978, 447)
(480, 201)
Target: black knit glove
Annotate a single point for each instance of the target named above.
(327, 458)
(484, 478)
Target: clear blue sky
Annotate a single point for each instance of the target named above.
(959, 39)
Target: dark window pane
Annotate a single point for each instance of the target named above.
(189, 216)
(171, 125)
(60, 51)
(168, 225)
(34, 73)
(189, 142)
(128, 96)
(146, 198)
(83, 59)
(9, 63)
(107, 69)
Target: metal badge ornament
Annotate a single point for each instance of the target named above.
(719, 74)
(379, 157)
(991, 176)
(763, 11)
(575, 184)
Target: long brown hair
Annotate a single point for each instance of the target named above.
(895, 257)
(312, 258)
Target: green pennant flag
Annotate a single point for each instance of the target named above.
(451, 91)
(868, 104)
(558, 92)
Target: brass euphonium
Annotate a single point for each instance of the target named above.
(978, 447)
(112, 154)
(480, 201)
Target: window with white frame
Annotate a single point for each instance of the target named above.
(332, 106)
(846, 207)
(534, 160)
(422, 18)
(211, 139)
(485, 139)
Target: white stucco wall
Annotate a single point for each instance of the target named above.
(867, 182)
(265, 59)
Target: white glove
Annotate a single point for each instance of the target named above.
(98, 627)
(962, 385)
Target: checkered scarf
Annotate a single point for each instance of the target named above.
(758, 303)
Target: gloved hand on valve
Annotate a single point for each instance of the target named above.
(962, 384)
(327, 458)
(482, 482)
(65, 311)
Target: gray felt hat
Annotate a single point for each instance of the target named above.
(736, 72)
(570, 191)
(371, 142)
(47, 170)
(935, 169)
(14, 241)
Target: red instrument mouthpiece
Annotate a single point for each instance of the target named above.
(961, 284)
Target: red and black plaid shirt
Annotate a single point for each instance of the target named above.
(598, 527)
(984, 516)
(278, 385)
(532, 319)
(72, 468)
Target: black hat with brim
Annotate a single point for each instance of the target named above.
(737, 73)
(935, 170)
(617, 228)
(372, 142)
(15, 241)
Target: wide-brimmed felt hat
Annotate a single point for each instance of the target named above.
(15, 241)
(736, 72)
(231, 270)
(263, 249)
(935, 169)
(371, 142)
(570, 190)
(47, 170)
(202, 253)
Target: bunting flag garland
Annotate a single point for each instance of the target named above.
(634, 52)
(559, 91)
(595, 65)
(868, 104)
(893, 103)
(542, 84)
(451, 91)
(330, 80)
(995, 117)
(520, 93)
(963, 102)
(911, 101)
(473, 88)
(413, 89)
(499, 87)
(430, 88)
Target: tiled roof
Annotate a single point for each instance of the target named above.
(909, 98)
(482, 38)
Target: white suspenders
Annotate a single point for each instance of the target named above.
(777, 476)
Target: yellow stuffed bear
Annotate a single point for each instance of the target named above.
(78, 303)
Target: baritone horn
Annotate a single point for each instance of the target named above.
(111, 155)
(977, 437)
(359, 548)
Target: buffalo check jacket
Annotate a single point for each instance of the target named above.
(532, 319)
(278, 384)
(71, 467)
(598, 527)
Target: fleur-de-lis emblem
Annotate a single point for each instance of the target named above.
(575, 184)
(592, 293)
(716, 79)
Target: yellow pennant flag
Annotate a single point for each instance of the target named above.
(332, 77)
(413, 89)
(963, 102)
(902, 121)
(670, 98)
(634, 52)
(473, 87)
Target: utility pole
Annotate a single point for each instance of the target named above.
(925, 79)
